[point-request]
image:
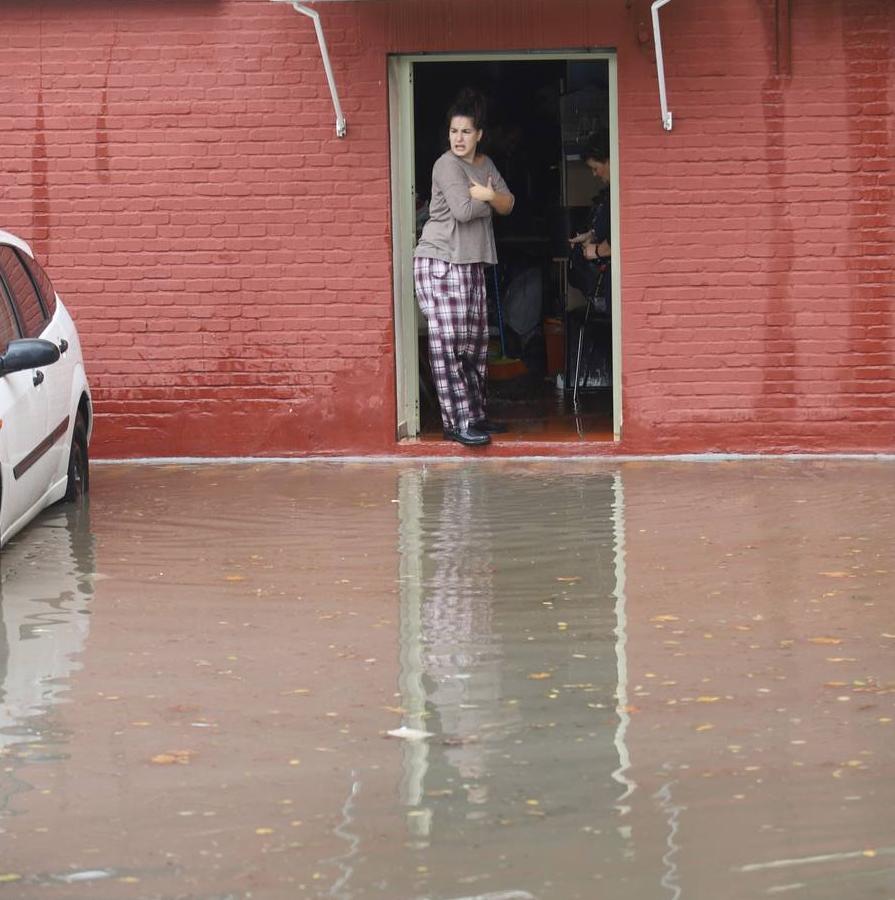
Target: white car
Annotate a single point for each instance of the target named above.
(46, 415)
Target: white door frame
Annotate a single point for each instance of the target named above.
(403, 183)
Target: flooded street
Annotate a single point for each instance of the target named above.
(626, 681)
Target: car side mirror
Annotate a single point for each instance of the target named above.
(30, 353)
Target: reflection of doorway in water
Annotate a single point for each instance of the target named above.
(540, 112)
(513, 657)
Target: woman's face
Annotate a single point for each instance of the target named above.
(600, 170)
(464, 137)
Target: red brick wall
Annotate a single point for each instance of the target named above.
(229, 261)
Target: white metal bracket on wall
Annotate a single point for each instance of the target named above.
(660, 64)
(341, 124)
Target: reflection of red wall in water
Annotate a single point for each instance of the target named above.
(266, 632)
(755, 602)
(228, 258)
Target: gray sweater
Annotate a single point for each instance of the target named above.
(459, 228)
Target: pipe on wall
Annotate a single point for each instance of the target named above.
(660, 64)
(341, 124)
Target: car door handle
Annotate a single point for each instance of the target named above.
(38, 378)
(63, 345)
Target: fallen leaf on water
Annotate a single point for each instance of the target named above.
(264, 831)
(539, 676)
(705, 727)
(707, 699)
(824, 640)
(235, 577)
(835, 574)
(568, 578)
(664, 619)
(179, 757)
(9, 876)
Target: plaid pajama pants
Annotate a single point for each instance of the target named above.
(452, 298)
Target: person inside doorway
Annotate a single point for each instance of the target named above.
(596, 242)
(456, 244)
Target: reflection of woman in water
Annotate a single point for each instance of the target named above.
(459, 655)
(456, 244)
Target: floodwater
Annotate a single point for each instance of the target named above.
(638, 681)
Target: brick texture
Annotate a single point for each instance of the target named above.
(228, 259)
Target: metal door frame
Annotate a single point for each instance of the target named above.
(403, 182)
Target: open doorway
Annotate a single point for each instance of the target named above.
(553, 370)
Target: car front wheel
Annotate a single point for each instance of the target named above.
(78, 465)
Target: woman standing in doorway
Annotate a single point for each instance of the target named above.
(449, 271)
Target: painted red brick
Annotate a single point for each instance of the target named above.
(228, 259)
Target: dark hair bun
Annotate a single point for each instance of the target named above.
(471, 104)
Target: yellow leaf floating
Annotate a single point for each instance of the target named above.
(178, 757)
(664, 619)
(824, 640)
(707, 699)
(235, 577)
(9, 876)
(264, 831)
(706, 727)
(540, 676)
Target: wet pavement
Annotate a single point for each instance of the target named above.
(630, 681)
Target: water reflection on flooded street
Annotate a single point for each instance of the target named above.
(638, 681)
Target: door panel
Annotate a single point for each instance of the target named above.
(25, 427)
(58, 384)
